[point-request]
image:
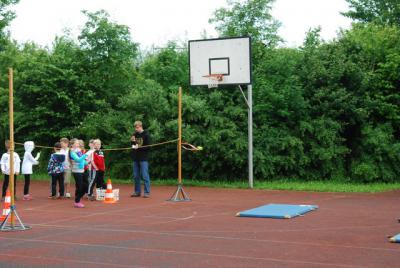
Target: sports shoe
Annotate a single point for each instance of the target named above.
(27, 197)
(146, 196)
(79, 205)
(135, 195)
(68, 195)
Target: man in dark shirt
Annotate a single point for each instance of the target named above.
(140, 160)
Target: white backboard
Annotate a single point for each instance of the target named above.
(230, 57)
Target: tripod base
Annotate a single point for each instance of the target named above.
(180, 195)
(5, 226)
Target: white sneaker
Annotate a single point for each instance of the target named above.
(68, 195)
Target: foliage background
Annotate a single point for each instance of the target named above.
(322, 111)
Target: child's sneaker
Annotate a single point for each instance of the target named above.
(27, 197)
(79, 205)
(68, 195)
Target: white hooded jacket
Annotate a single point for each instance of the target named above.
(29, 160)
(5, 163)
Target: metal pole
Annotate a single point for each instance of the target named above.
(11, 118)
(250, 133)
(180, 136)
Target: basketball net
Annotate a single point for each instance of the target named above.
(214, 79)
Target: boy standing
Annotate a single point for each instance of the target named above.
(98, 164)
(5, 168)
(92, 170)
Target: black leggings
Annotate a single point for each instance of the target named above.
(27, 183)
(81, 185)
(57, 178)
(5, 184)
(99, 180)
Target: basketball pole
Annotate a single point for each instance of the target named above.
(180, 136)
(250, 132)
(180, 194)
(249, 103)
(13, 212)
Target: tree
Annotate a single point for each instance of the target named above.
(248, 18)
(169, 66)
(378, 11)
(108, 57)
(6, 16)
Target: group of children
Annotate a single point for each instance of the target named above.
(69, 158)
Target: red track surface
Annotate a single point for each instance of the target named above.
(348, 230)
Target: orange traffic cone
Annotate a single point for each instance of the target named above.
(109, 196)
(6, 207)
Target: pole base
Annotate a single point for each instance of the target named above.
(180, 195)
(5, 226)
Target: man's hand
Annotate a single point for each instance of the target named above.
(37, 156)
(135, 146)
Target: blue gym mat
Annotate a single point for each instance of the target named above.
(395, 239)
(277, 211)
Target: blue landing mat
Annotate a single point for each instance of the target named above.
(395, 239)
(277, 211)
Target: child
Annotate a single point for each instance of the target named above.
(5, 168)
(99, 167)
(78, 168)
(55, 168)
(67, 169)
(87, 164)
(26, 169)
(92, 171)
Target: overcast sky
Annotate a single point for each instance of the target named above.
(154, 22)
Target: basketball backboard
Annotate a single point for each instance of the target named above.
(229, 57)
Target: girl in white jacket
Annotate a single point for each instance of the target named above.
(5, 168)
(27, 164)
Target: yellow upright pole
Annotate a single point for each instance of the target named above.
(14, 215)
(180, 136)
(11, 114)
(180, 195)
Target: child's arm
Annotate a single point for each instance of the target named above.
(49, 164)
(3, 164)
(89, 159)
(30, 157)
(76, 158)
(95, 161)
(17, 167)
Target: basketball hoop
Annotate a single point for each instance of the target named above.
(214, 79)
